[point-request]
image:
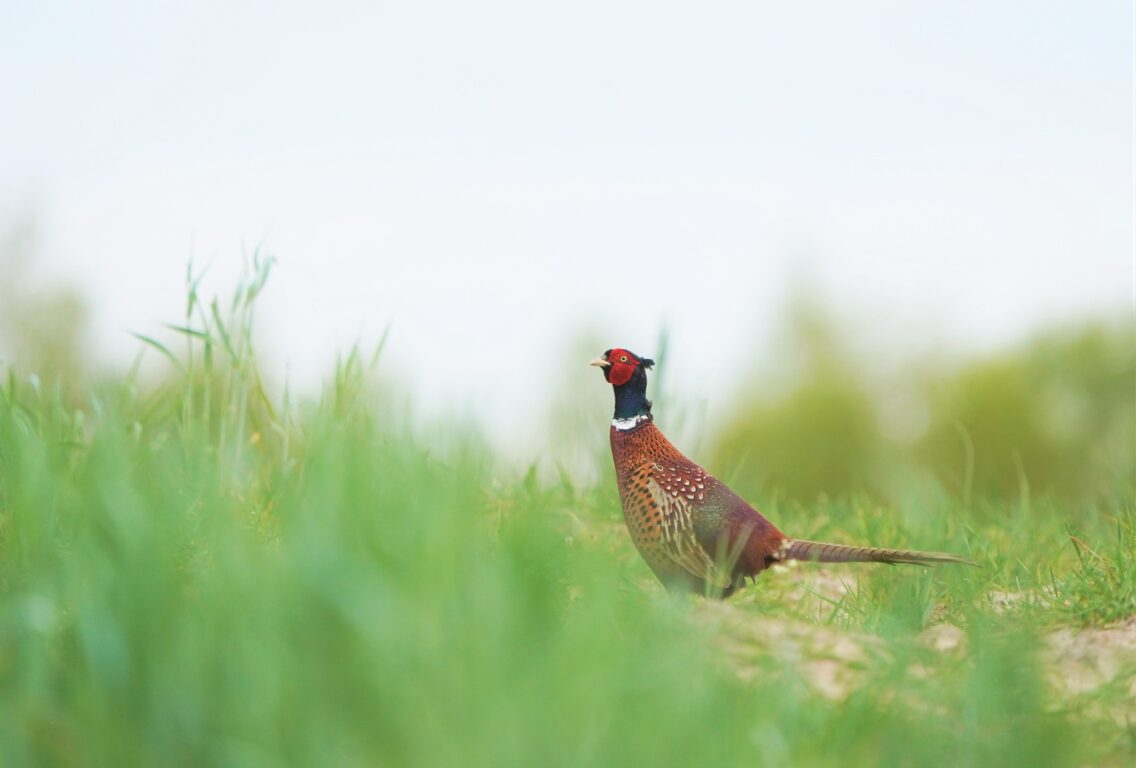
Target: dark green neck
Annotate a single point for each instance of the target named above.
(631, 398)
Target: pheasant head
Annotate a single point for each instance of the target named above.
(627, 374)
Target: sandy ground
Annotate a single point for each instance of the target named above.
(1090, 669)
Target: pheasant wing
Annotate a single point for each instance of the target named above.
(674, 492)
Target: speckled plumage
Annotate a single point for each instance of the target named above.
(692, 530)
(684, 522)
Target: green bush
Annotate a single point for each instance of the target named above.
(1056, 416)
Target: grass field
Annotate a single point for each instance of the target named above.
(193, 574)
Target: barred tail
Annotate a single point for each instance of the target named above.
(820, 552)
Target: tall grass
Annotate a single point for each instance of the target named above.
(193, 575)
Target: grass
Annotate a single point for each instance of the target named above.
(193, 575)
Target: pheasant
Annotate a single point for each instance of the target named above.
(693, 531)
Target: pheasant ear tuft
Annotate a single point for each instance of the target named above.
(647, 362)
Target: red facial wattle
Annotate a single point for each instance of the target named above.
(622, 366)
(620, 373)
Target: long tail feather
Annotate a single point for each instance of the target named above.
(820, 552)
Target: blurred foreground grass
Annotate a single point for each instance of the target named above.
(193, 575)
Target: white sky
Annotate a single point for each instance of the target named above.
(495, 179)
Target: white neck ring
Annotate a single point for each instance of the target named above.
(625, 424)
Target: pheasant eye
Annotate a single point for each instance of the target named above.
(623, 358)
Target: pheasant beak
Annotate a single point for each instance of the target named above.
(599, 362)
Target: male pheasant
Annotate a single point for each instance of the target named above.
(693, 531)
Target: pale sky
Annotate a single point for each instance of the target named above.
(492, 180)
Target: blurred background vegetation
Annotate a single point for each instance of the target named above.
(43, 326)
(1052, 416)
